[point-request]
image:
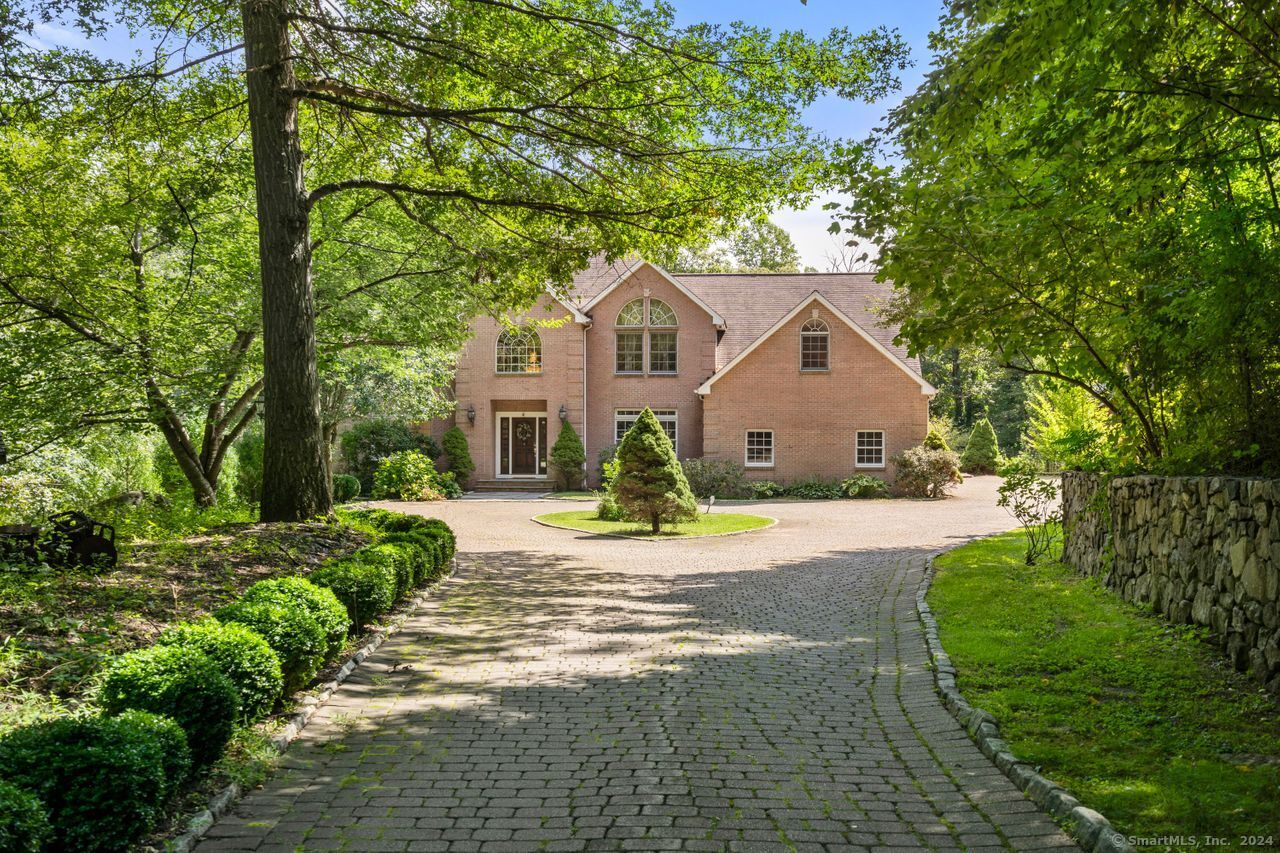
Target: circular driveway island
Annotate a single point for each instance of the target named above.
(564, 691)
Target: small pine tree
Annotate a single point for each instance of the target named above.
(456, 450)
(982, 453)
(650, 485)
(935, 440)
(567, 457)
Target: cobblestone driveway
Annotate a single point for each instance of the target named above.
(566, 692)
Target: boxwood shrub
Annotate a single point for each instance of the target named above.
(433, 527)
(345, 488)
(241, 655)
(425, 552)
(103, 780)
(367, 589)
(179, 682)
(394, 556)
(24, 823)
(319, 602)
(299, 641)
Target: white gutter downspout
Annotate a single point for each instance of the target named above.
(585, 326)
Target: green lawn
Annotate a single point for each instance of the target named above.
(1139, 719)
(573, 496)
(706, 525)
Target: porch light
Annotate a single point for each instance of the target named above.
(564, 413)
(471, 413)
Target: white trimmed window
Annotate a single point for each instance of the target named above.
(625, 419)
(759, 448)
(815, 345)
(645, 339)
(870, 449)
(519, 351)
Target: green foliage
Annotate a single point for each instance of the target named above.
(248, 482)
(1136, 717)
(767, 489)
(1125, 145)
(181, 683)
(299, 641)
(433, 527)
(103, 780)
(304, 595)
(366, 588)
(925, 473)
(722, 478)
(981, 453)
(752, 246)
(813, 489)
(458, 454)
(1033, 501)
(864, 486)
(241, 655)
(408, 476)
(1070, 430)
(394, 559)
(650, 485)
(426, 554)
(567, 457)
(367, 443)
(935, 440)
(345, 488)
(24, 824)
(704, 524)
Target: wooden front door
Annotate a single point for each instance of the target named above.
(524, 446)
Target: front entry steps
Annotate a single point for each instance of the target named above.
(531, 486)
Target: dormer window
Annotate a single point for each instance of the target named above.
(815, 345)
(519, 352)
(645, 335)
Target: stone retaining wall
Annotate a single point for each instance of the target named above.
(1199, 550)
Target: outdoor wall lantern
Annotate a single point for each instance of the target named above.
(564, 413)
(471, 413)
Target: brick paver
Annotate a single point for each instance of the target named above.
(569, 692)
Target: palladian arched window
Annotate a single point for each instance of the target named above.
(646, 334)
(519, 351)
(815, 345)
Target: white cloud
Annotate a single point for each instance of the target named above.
(808, 229)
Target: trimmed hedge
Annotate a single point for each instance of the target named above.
(433, 527)
(104, 780)
(24, 824)
(427, 555)
(242, 656)
(396, 557)
(367, 590)
(181, 683)
(323, 606)
(299, 641)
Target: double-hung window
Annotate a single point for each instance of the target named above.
(625, 419)
(759, 451)
(870, 450)
(645, 338)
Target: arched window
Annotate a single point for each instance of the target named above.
(632, 314)
(815, 345)
(646, 326)
(519, 351)
(660, 313)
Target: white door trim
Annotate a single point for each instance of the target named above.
(497, 444)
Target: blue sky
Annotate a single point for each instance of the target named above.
(914, 19)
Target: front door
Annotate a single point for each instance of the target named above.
(524, 446)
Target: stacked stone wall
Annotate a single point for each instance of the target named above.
(1198, 550)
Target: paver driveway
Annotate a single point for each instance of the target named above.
(567, 692)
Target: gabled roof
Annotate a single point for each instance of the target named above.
(578, 316)
(595, 300)
(816, 296)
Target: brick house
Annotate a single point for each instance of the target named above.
(790, 376)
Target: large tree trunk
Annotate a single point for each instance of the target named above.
(295, 474)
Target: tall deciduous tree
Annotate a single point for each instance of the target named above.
(523, 136)
(1088, 191)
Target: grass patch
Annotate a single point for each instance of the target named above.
(573, 496)
(706, 525)
(1139, 719)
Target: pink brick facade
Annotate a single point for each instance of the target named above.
(814, 416)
